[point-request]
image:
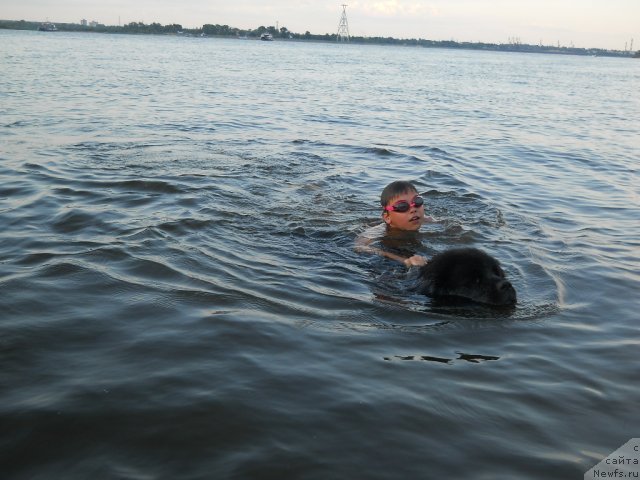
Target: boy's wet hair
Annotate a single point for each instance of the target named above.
(394, 189)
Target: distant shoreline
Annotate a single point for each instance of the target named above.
(224, 31)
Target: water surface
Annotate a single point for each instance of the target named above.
(180, 294)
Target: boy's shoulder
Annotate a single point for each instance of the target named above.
(374, 233)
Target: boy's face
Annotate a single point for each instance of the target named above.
(412, 219)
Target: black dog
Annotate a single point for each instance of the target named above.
(466, 273)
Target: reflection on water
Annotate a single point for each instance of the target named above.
(449, 361)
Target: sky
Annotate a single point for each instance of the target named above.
(608, 24)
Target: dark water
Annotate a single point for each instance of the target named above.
(179, 295)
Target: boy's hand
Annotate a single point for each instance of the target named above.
(416, 261)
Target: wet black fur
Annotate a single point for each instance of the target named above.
(466, 273)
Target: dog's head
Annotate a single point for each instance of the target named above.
(467, 273)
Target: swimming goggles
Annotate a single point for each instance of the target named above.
(404, 206)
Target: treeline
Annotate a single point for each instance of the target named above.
(133, 27)
(284, 34)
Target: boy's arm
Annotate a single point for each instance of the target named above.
(362, 245)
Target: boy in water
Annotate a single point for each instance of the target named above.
(402, 211)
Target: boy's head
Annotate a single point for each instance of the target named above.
(394, 189)
(402, 206)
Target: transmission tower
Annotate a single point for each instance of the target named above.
(343, 26)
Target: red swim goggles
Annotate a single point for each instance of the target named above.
(404, 206)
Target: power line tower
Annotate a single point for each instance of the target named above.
(343, 26)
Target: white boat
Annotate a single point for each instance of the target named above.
(267, 37)
(47, 27)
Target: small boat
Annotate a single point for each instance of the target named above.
(47, 27)
(267, 37)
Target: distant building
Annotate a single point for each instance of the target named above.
(83, 22)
